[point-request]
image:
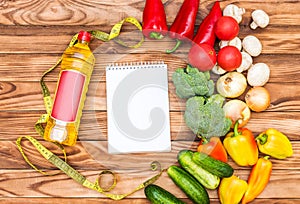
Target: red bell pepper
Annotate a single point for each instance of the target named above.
(154, 20)
(205, 32)
(184, 23)
(214, 148)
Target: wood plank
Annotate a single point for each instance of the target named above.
(27, 96)
(91, 155)
(13, 65)
(93, 125)
(36, 185)
(105, 13)
(282, 39)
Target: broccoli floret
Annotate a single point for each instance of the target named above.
(206, 117)
(191, 82)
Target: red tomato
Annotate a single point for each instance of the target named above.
(202, 56)
(226, 28)
(229, 58)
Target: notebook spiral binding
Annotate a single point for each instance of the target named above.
(135, 65)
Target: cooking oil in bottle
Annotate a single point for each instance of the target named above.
(74, 77)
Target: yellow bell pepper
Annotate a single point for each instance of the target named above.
(274, 143)
(241, 146)
(232, 190)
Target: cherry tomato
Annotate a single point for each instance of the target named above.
(229, 58)
(226, 28)
(202, 56)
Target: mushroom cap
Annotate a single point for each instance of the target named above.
(260, 18)
(236, 42)
(246, 62)
(218, 70)
(258, 74)
(234, 11)
(252, 45)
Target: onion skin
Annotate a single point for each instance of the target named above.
(231, 85)
(258, 99)
(237, 110)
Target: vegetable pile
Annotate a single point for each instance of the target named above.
(216, 112)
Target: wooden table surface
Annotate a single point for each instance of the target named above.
(33, 35)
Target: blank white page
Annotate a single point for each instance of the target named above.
(138, 108)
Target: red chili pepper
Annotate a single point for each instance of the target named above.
(154, 20)
(205, 32)
(184, 23)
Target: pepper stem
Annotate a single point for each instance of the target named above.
(156, 35)
(178, 43)
(262, 138)
(235, 129)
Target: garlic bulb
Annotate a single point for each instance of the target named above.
(231, 85)
(258, 74)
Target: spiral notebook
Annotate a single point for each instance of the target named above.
(138, 108)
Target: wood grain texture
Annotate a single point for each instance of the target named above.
(43, 186)
(33, 35)
(91, 155)
(93, 124)
(26, 96)
(106, 13)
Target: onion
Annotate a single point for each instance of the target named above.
(237, 110)
(258, 99)
(231, 85)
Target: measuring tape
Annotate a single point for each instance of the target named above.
(75, 175)
(48, 102)
(100, 35)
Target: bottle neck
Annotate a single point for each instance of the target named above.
(83, 42)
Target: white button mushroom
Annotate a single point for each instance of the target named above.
(252, 45)
(258, 74)
(218, 70)
(236, 42)
(260, 19)
(246, 62)
(234, 11)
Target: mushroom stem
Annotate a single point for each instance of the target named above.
(253, 25)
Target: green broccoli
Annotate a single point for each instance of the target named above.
(191, 82)
(206, 117)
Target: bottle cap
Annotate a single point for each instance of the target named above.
(84, 36)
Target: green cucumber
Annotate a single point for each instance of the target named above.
(188, 184)
(214, 166)
(207, 179)
(157, 195)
